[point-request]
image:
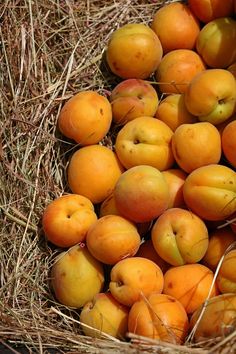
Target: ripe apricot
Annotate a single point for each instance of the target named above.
(133, 98)
(180, 33)
(145, 141)
(141, 193)
(76, 276)
(179, 236)
(201, 140)
(93, 172)
(219, 240)
(176, 69)
(216, 42)
(208, 10)
(86, 117)
(66, 220)
(97, 314)
(226, 278)
(211, 95)
(229, 142)
(216, 318)
(210, 192)
(159, 316)
(112, 238)
(190, 284)
(172, 111)
(135, 277)
(134, 51)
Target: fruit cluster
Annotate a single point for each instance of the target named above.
(146, 213)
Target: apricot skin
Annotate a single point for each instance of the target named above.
(141, 193)
(86, 117)
(134, 51)
(210, 192)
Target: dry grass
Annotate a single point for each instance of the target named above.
(50, 50)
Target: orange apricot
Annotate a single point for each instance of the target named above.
(176, 69)
(190, 284)
(86, 117)
(141, 193)
(66, 220)
(145, 141)
(202, 142)
(112, 238)
(210, 192)
(135, 277)
(134, 51)
(214, 319)
(159, 316)
(133, 98)
(93, 172)
(180, 33)
(208, 10)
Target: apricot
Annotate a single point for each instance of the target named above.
(180, 33)
(135, 277)
(145, 141)
(190, 284)
(211, 95)
(219, 240)
(112, 238)
(202, 141)
(208, 10)
(159, 316)
(216, 319)
(216, 42)
(210, 192)
(141, 193)
(134, 51)
(176, 69)
(172, 111)
(93, 172)
(66, 220)
(76, 276)
(229, 142)
(97, 314)
(175, 179)
(147, 250)
(133, 98)
(226, 278)
(179, 237)
(86, 118)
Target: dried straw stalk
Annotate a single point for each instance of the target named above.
(51, 49)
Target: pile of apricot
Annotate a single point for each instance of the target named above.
(147, 231)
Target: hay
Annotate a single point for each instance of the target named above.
(50, 50)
